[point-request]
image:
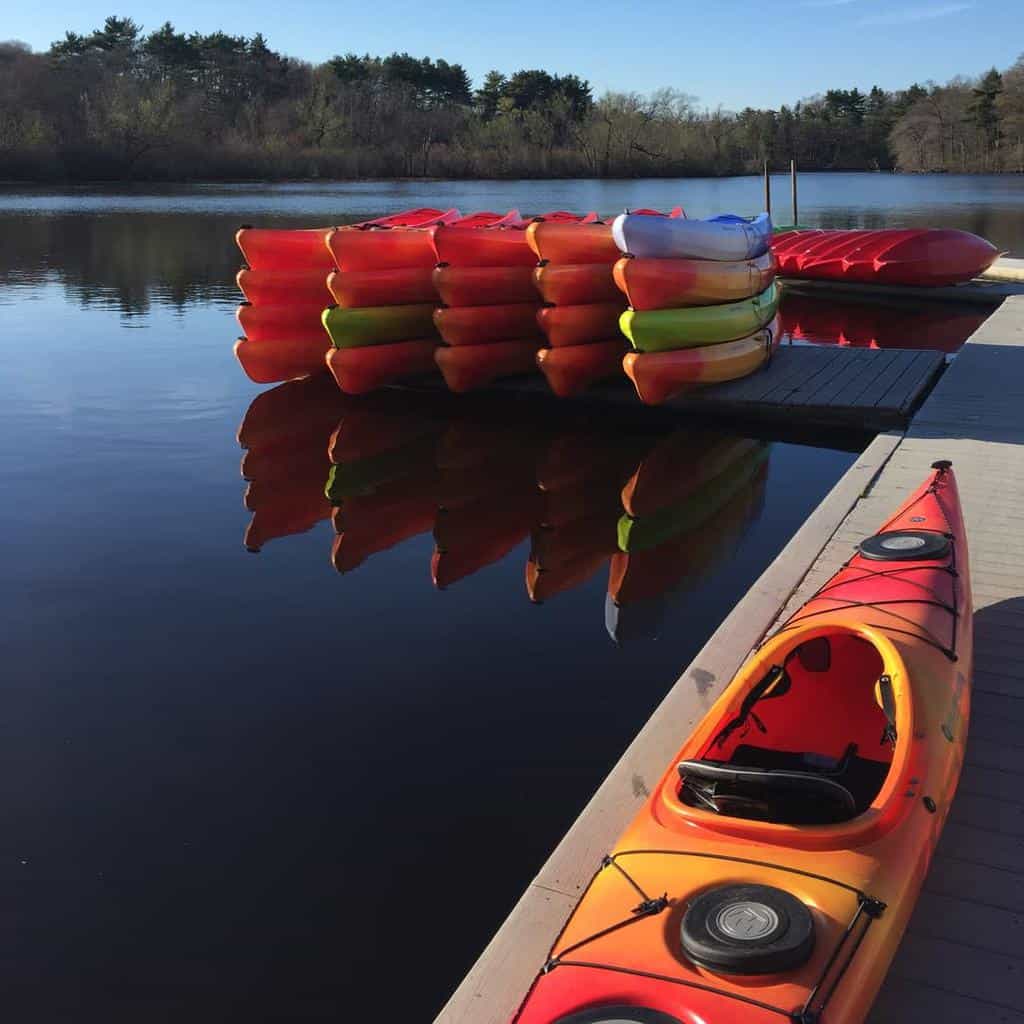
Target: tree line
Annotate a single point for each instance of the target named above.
(119, 103)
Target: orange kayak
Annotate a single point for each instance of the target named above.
(571, 369)
(466, 367)
(385, 248)
(573, 284)
(279, 322)
(286, 249)
(668, 284)
(659, 376)
(269, 360)
(580, 325)
(369, 367)
(306, 286)
(405, 286)
(478, 325)
(772, 871)
(367, 524)
(484, 286)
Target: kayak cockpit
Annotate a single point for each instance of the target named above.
(810, 740)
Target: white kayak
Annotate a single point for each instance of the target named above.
(721, 238)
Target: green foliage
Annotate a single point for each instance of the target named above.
(119, 102)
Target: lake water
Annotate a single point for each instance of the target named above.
(268, 785)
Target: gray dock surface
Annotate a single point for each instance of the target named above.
(962, 959)
(829, 385)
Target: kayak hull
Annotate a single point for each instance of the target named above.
(922, 257)
(306, 287)
(660, 376)
(480, 325)
(378, 325)
(278, 323)
(579, 325)
(659, 330)
(590, 242)
(484, 286)
(364, 369)
(668, 284)
(572, 369)
(574, 284)
(467, 367)
(270, 360)
(405, 286)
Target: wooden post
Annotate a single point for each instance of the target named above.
(792, 186)
(767, 191)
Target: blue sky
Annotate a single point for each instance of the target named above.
(730, 52)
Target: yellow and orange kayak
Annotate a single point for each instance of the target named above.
(772, 871)
(659, 376)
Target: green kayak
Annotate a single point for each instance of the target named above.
(661, 330)
(668, 522)
(379, 325)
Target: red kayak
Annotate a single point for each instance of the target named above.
(278, 249)
(502, 244)
(572, 368)
(466, 367)
(366, 368)
(926, 257)
(480, 325)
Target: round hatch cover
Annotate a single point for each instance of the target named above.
(618, 1015)
(747, 929)
(905, 545)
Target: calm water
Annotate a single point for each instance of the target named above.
(266, 785)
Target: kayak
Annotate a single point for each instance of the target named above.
(369, 367)
(658, 376)
(553, 548)
(640, 533)
(306, 286)
(896, 323)
(269, 360)
(278, 322)
(570, 369)
(285, 249)
(925, 257)
(772, 871)
(502, 244)
(656, 330)
(573, 284)
(721, 238)
(383, 248)
(466, 367)
(370, 523)
(589, 242)
(378, 325)
(580, 325)
(667, 284)
(295, 414)
(400, 286)
(484, 286)
(479, 325)
(543, 585)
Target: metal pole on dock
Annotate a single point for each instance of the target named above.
(792, 187)
(767, 191)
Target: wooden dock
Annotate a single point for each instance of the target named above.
(962, 959)
(827, 385)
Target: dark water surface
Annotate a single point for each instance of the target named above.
(266, 786)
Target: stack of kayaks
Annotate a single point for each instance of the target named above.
(488, 319)
(684, 509)
(582, 302)
(285, 284)
(702, 298)
(925, 257)
(381, 326)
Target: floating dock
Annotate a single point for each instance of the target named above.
(962, 958)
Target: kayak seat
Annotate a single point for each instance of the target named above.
(784, 787)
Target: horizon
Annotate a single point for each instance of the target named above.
(916, 43)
